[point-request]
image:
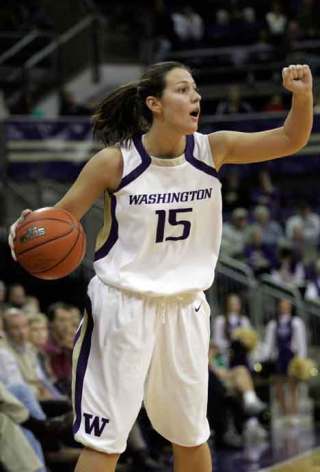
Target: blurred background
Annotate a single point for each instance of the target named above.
(57, 61)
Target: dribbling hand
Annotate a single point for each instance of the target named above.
(12, 232)
(297, 79)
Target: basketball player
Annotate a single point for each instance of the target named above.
(145, 335)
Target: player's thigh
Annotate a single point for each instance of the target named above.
(110, 361)
(177, 386)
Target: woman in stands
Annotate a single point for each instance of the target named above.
(145, 335)
(285, 338)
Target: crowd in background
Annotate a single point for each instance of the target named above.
(272, 233)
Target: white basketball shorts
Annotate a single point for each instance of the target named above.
(131, 349)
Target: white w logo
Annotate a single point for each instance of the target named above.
(96, 424)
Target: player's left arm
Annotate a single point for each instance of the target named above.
(231, 147)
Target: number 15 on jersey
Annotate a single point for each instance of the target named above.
(169, 218)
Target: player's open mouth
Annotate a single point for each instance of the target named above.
(195, 113)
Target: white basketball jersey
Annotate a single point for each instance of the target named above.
(162, 227)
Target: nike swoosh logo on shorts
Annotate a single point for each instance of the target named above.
(197, 309)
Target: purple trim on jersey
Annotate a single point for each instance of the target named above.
(145, 162)
(113, 236)
(82, 366)
(196, 162)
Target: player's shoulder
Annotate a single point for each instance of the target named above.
(109, 162)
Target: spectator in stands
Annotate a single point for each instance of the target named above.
(60, 355)
(38, 337)
(16, 295)
(235, 233)
(224, 325)
(271, 230)
(259, 256)
(276, 22)
(285, 337)
(238, 380)
(233, 103)
(290, 269)
(31, 305)
(313, 285)
(16, 452)
(16, 329)
(188, 26)
(224, 413)
(309, 221)
(244, 409)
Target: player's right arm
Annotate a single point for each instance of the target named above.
(102, 172)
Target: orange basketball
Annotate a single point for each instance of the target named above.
(50, 243)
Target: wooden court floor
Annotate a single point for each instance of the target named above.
(307, 462)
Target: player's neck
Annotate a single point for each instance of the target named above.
(163, 144)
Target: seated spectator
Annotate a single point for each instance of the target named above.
(235, 233)
(285, 337)
(16, 329)
(238, 380)
(60, 355)
(188, 26)
(272, 232)
(276, 22)
(309, 221)
(31, 305)
(38, 337)
(258, 255)
(233, 103)
(224, 325)
(16, 451)
(12, 379)
(16, 295)
(225, 415)
(290, 269)
(230, 416)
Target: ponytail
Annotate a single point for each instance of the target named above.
(124, 113)
(120, 115)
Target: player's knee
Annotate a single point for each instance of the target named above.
(188, 449)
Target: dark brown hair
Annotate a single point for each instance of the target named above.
(124, 113)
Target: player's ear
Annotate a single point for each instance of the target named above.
(154, 104)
